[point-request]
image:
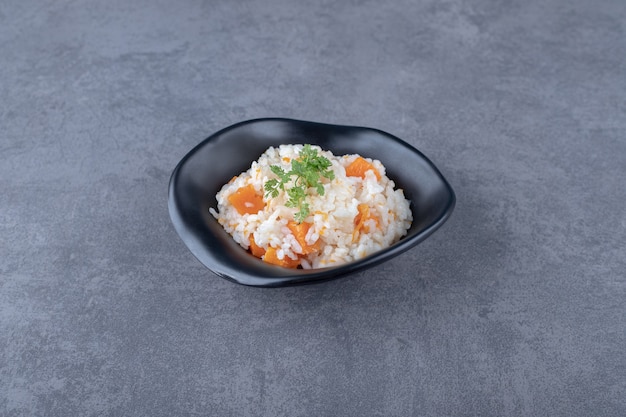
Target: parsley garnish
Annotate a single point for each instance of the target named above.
(307, 170)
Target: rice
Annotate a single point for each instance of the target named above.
(356, 216)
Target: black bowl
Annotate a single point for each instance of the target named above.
(205, 169)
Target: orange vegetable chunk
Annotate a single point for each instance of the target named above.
(246, 200)
(359, 167)
(255, 249)
(360, 219)
(299, 231)
(271, 257)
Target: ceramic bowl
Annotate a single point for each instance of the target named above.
(206, 168)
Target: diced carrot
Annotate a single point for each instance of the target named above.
(246, 200)
(255, 249)
(299, 231)
(361, 218)
(359, 167)
(271, 257)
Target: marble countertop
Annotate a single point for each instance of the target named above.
(515, 307)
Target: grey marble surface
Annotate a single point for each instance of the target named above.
(516, 307)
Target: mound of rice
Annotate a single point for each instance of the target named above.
(355, 217)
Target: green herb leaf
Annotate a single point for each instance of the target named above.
(307, 171)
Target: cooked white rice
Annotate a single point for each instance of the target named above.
(332, 216)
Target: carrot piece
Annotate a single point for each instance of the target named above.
(271, 257)
(246, 200)
(359, 167)
(359, 220)
(255, 249)
(362, 216)
(299, 231)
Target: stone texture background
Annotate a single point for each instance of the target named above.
(515, 307)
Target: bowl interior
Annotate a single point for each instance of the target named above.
(205, 169)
